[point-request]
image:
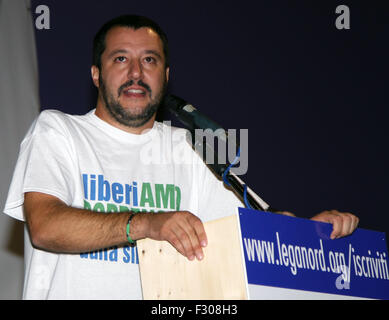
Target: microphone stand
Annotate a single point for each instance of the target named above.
(253, 199)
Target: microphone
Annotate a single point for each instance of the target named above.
(188, 114)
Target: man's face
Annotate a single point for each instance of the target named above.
(133, 77)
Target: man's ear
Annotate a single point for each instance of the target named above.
(167, 74)
(95, 75)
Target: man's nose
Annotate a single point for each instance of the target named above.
(135, 70)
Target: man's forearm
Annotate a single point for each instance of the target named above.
(56, 227)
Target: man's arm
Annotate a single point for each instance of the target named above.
(56, 227)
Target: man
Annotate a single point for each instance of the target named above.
(85, 191)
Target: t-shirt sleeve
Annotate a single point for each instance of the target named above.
(44, 164)
(216, 199)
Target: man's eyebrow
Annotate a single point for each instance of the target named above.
(156, 53)
(117, 51)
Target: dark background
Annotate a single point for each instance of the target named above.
(313, 98)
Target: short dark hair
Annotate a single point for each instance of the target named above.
(129, 21)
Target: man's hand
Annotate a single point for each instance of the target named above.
(343, 223)
(182, 229)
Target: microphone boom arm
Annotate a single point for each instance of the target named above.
(182, 111)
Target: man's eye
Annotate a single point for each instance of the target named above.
(150, 60)
(120, 59)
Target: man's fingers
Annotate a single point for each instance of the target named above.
(176, 243)
(199, 230)
(286, 213)
(343, 223)
(355, 221)
(195, 230)
(347, 224)
(186, 242)
(337, 226)
(183, 230)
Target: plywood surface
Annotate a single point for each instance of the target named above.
(166, 274)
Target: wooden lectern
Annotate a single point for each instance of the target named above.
(221, 275)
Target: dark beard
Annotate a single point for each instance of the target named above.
(125, 117)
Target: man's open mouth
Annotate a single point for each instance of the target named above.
(134, 93)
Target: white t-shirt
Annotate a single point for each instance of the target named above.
(87, 163)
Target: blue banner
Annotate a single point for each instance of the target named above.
(287, 252)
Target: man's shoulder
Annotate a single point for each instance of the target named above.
(53, 121)
(50, 116)
(57, 115)
(53, 117)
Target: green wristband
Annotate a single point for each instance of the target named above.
(130, 241)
